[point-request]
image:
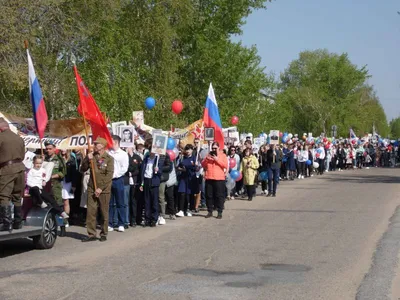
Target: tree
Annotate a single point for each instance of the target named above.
(324, 89)
(129, 50)
(395, 128)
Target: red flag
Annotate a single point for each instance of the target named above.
(88, 109)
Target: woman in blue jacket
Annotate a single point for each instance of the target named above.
(188, 183)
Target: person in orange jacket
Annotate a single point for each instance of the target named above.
(215, 164)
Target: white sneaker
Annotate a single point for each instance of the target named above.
(312, 175)
(188, 213)
(161, 221)
(367, 168)
(67, 225)
(266, 192)
(298, 177)
(121, 229)
(110, 229)
(180, 214)
(302, 176)
(64, 215)
(43, 205)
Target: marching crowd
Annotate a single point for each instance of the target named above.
(135, 187)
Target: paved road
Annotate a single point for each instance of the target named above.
(330, 237)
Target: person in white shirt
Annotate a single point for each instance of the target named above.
(302, 157)
(321, 158)
(118, 207)
(36, 180)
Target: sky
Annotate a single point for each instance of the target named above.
(368, 30)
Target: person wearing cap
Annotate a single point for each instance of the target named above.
(12, 176)
(59, 171)
(99, 197)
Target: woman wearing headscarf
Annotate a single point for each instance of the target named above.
(249, 169)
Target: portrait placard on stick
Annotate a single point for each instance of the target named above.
(127, 135)
(116, 126)
(159, 144)
(209, 134)
(274, 137)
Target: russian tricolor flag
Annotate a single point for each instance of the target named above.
(211, 116)
(35, 93)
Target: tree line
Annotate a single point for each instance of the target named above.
(172, 49)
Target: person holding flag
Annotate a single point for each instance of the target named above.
(100, 163)
(216, 162)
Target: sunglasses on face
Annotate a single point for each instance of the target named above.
(215, 149)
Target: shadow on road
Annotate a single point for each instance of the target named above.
(14, 247)
(366, 179)
(286, 210)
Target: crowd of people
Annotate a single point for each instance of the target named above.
(120, 188)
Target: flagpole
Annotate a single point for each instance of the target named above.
(40, 139)
(87, 140)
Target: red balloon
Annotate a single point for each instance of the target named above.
(171, 154)
(232, 163)
(235, 120)
(281, 134)
(324, 139)
(353, 142)
(240, 177)
(177, 107)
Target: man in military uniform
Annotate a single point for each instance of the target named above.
(59, 171)
(12, 176)
(99, 191)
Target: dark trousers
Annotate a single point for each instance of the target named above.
(38, 197)
(134, 199)
(239, 185)
(310, 170)
(186, 201)
(150, 200)
(273, 180)
(170, 197)
(321, 167)
(215, 190)
(264, 185)
(117, 203)
(140, 207)
(302, 167)
(251, 190)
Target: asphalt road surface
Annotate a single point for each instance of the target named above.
(335, 236)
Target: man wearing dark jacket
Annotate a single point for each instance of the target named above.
(133, 180)
(152, 168)
(274, 159)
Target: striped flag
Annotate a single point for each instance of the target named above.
(36, 96)
(211, 117)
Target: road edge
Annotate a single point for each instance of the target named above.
(383, 274)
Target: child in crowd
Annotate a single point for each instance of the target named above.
(36, 180)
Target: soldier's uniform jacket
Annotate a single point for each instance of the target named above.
(59, 169)
(103, 169)
(12, 153)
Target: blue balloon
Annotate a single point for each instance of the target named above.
(234, 174)
(396, 143)
(380, 140)
(264, 176)
(308, 162)
(319, 150)
(150, 102)
(171, 144)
